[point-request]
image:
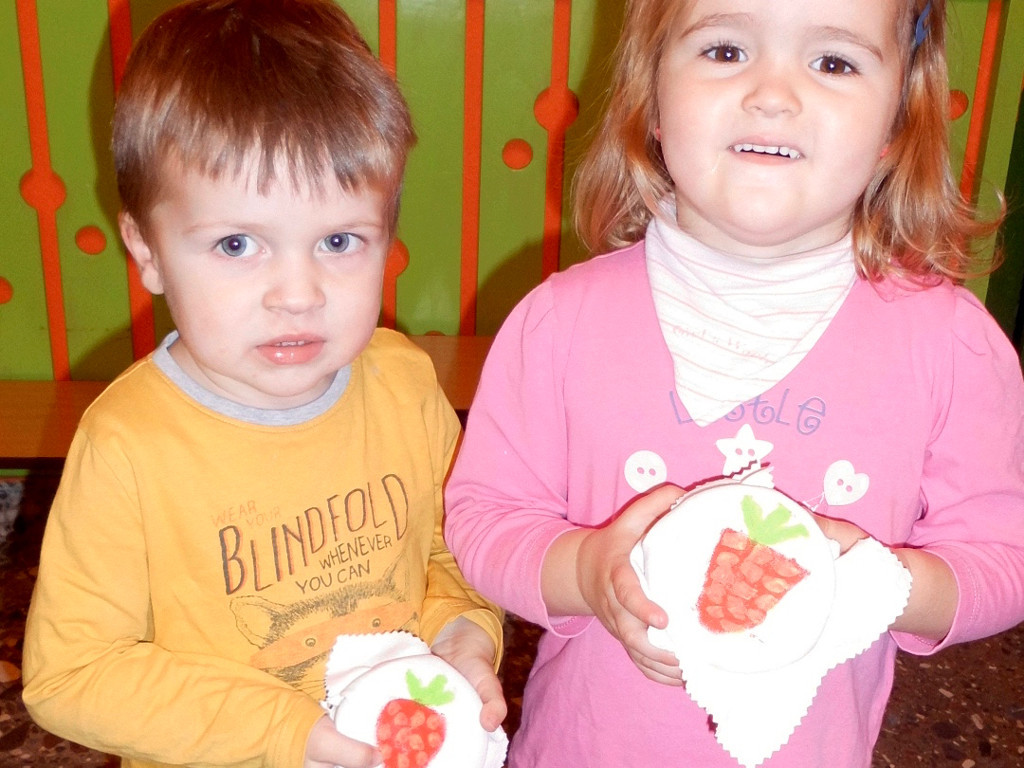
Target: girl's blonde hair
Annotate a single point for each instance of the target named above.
(910, 221)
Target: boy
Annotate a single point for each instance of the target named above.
(271, 476)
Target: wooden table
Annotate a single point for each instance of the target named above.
(38, 418)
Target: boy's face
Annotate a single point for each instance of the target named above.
(271, 293)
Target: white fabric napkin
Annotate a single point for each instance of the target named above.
(355, 656)
(756, 712)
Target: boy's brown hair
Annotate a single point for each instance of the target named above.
(291, 86)
(911, 221)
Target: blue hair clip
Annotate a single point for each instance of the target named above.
(920, 28)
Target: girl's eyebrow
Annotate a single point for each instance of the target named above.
(831, 33)
(718, 20)
(843, 35)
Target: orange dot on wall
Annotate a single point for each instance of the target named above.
(6, 291)
(517, 154)
(90, 240)
(556, 109)
(958, 103)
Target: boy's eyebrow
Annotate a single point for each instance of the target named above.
(241, 226)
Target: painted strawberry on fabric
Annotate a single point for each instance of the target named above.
(746, 577)
(410, 731)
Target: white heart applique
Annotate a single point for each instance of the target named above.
(844, 485)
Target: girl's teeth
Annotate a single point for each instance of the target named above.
(766, 150)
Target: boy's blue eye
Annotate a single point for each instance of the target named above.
(235, 245)
(339, 242)
(833, 65)
(725, 54)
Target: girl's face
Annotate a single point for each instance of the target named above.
(773, 116)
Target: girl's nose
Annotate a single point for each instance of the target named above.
(295, 285)
(772, 92)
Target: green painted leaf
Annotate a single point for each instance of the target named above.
(770, 529)
(432, 695)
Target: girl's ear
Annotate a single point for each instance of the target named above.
(141, 253)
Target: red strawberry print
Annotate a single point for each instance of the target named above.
(746, 578)
(410, 731)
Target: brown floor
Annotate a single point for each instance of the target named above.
(963, 707)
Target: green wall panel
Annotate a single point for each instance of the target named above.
(77, 71)
(430, 72)
(1004, 159)
(517, 70)
(24, 335)
(365, 16)
(595, 31)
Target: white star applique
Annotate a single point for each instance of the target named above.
(743, 451)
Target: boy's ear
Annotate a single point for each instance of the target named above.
(142, 255)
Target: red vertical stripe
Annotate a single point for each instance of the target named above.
(139, 299)
(982, 94)
(471, 140)
(387, 34)
(563, 102)
(41, 188)
(398, 256)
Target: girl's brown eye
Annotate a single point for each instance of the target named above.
(833, 65)
(725, 54)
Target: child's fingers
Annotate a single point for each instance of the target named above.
(493, 712)
(488, 688)
(844, 533)
(632, 598)
(659, 666)
(638, 516)
(327, 747)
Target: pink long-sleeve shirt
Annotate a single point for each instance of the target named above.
(905, 418)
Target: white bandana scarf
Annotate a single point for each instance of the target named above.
(736, 326)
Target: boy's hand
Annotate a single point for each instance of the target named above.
(326, 748)
(468, 648)
(610, 587)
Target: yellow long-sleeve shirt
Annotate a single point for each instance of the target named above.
(196, 568)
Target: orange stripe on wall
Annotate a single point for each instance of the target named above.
(564, 107)
(398, 256)
(387, 34)
(978, 126)
(471, 138)
(41, 188)
(139, 299)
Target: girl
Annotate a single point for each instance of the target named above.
(775, 177)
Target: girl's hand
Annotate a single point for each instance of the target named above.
(845, 534)
(934, 593)
(468, 648)
(326, 748)
(610, 587)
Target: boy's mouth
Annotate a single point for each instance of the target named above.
(292, 350)
(762, 149)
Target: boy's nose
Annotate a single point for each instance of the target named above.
(772, 91)
(295, 285)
